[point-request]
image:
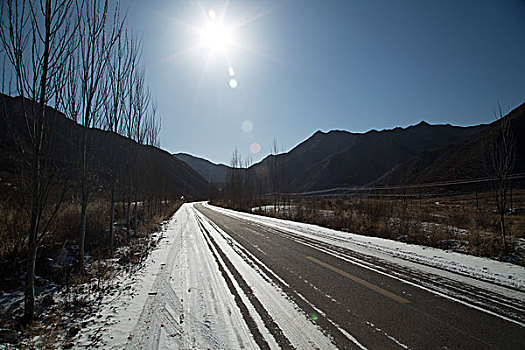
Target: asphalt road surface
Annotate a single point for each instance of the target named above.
(380, 304)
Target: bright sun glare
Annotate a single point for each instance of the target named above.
(215, 35)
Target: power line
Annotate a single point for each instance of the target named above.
(348, 190)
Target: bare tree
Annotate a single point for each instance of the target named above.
(119, 63)
(501, 151)
(141, 104)
(277, 173)
(134, 47)
(153, 124)
(37, 38)
(232, 184)
(240, 186)
(97, 37)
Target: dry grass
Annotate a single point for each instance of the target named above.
(13, 227)
(461, 223)
(58, 321)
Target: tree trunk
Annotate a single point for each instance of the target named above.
(84, 190)
(29, 292)
(111, 216)
(136, 212)
(83, 219)
(29, 295)
(502, 219)
(112, 204)
(36, 199)
(128, 224)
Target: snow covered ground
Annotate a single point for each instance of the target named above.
(188, 296)
(181, 299)
(178, 300)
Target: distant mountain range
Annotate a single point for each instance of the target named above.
(213, 173)
(344, 159)
(420, 153)
(465, 159)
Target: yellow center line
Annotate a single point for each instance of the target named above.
(360, 281)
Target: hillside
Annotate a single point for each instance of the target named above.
(176, 176)
(340, 158)
(305, 159)
(420, 153)
(213, 173)
(465, 159)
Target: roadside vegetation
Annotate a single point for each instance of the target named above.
(481, 214)
(466, 223)
(483, 218)
(66, 295)
(79, 200)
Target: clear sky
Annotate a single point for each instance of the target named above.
(302, 66)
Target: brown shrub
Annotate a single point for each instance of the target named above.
(13, 230)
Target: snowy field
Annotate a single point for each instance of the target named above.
(186, 296)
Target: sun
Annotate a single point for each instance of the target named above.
(215, 35)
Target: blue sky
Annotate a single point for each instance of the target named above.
(303, 66)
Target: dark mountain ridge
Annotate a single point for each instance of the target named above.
(213, 173)
(341, 158)
(468, 158)
(157, 165)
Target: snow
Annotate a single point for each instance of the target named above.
(294, 324)
(178, 300)
(181, 297)
(181, 300)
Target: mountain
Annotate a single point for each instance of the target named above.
(421, 153)
(466, 159)
(213, 173)
(340, 158)
(156, 167)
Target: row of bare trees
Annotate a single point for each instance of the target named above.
(244, 187)
(239, 191)
(79, 57)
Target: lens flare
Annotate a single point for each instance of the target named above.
(247, 126)
(231, 72)
(233, 83)
(212, 14)
(255, 148)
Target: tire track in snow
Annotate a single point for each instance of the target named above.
(146, 334)
(296, 324)
(197, 312)
(270, 324)
(331, 329)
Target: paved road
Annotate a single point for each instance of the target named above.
(380, 304)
